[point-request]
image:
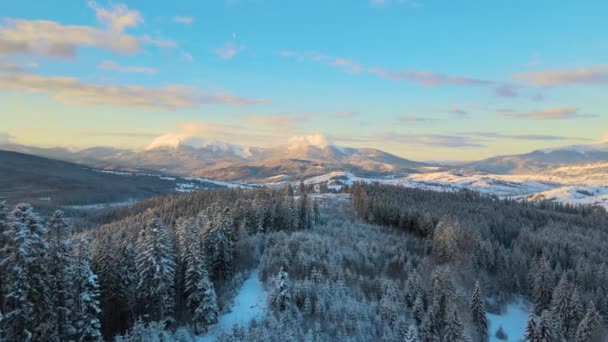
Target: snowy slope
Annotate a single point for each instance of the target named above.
(575, 184)
(249, 304)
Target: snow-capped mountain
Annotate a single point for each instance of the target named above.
(541, 160)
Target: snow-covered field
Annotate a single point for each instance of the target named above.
(579, 184)
(97, 206)
(249, 304)
(513, 322)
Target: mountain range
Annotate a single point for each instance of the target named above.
(575, 174)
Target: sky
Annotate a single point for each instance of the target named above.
(423, 79)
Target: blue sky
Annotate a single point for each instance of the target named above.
(422, 79)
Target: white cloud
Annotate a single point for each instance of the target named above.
(229, 50)
(52, 39)
(74, 91)
(184, 56)
(6, 138)
(558, 113)
(175, 140)
(183, 19)
(117, 17)
(316, 140)
(597, 74)
(109, 65)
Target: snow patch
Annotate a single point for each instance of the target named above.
(513, 321)
(248, 305)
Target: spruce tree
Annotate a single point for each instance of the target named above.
(588, 329)
(531, 334)
(478, 312)
(281, 297)
(412, 334)
(61, 272)
(87, 309)
(454, 330)
(156, 268)
(543, 286)
(201, 300)
(28, 305)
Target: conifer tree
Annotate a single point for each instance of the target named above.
(61, 272)
(156, 267)
(531, 334)
(201, 299)
(588, 329)
(281, 297)
(86, 309)
(412, 334)
(543, 287)
(478, 312)
(454, 330)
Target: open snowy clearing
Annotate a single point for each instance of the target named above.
(249, 304)
(513, 322)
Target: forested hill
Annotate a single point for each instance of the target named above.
(378, 263)
(53, 184)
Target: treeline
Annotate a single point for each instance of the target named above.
(162, 267)
(553, 256)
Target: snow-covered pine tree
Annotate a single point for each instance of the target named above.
(531, 334)
(412, 334)
(86, 309)
(201, 300)
(29, 312)
(156, 268)
(543, 286)
(589, 327)
(418, 311)
(316, 211)
(61, 272)
(281, 297)
(3, 245)
(478, 312)
(304, 220)
(454, 330)
(561, 305)
(444, 240)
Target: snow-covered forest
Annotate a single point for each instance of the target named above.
(377, 262)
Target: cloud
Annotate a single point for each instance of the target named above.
(550, 114)
(183, 20)
(282, 121)
(345, 115)
(429, 140)
(197, 133)
(597, 74)
(229, 50)
(184, 56)
(506, 90)
(382, 3)
(74, 91)
(604, 138)
(54, 40)
(117, 17)
(317, 140)
(6, 138)
(534, 137)
(133, 135)
(425, 78)
(417, 119)
(458, 112)
(109, 65)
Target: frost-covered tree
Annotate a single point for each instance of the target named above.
(543, 286)
(28, 306)
(412, 334)
(418, 311)
(201, 301)
(86, 309)
(445, 240)
(156, 268)
(61, 266)
(531, 334)
(3, 246)
(478, 312)
(280, 298)
(588, 329)
(454, 329)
